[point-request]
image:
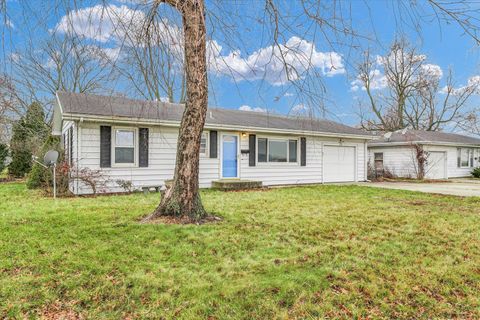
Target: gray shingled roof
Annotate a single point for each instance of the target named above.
(114, 106)
(425, 136)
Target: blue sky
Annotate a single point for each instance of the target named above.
(443, 44)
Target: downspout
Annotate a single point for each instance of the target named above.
(77, 124)
(323, 165)
(365, 161)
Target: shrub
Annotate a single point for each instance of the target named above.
(476, 172)
(29, 133)
(3, 156)
(39, 176)
(126, 185)
(21, 154)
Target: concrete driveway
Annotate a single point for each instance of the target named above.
(457, 188)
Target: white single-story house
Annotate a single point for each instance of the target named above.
(449, 155)
(135, 141)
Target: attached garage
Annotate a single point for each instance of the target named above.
(436, 165)
(339, 163)
(450, 155)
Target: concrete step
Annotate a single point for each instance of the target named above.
(235, 184)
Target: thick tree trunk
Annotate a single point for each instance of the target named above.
(183, 198)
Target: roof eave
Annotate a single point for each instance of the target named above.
(431, 143)
(170, 123)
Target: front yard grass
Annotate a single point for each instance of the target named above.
(304, 252)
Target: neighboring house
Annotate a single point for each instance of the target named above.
(136, 141)
(448, 155)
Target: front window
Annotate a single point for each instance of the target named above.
(262, 150)
(125, 146)
(292, 150)
(204, 144)
(465, 157)
(277, 150)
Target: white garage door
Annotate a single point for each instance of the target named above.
(435, 168)
(339, 164)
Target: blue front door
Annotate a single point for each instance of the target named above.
(229, 162)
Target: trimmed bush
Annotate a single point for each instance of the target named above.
(476, 172)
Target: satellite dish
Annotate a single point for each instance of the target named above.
(50, 158)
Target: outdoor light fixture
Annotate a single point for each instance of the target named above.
(244, 134)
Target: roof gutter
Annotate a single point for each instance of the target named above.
(431, 143)
(168, 123)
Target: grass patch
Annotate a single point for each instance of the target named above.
(305, 252)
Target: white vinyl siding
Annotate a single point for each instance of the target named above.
(400, 160)
(65, 129)
(290, 173)
(162, 153)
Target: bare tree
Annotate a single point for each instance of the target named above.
(470, 122)
(151, 58)
(326, 22)
(183, 198)
(10, 107)
(60, 63)
(403, 90)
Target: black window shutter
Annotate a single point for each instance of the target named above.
(70, 145)
(65, 139)
(143, 147)
(459, 161)
(252, 139)
(105, 146)
(303, 151)
(213, 144)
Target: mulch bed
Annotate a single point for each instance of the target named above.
(183, 220)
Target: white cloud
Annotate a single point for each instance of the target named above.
(299, 109)
(104, 55)
(15, 56)
(101, 23)
(432, 70)
(474, 81)
(401, 59)
(288, 94)
(377, 80)
(109, 24)
(9, 24)
(473, 84)
(254, 109)
(275, 65)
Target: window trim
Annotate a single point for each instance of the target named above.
(470, 158)
(207, 144)
(135, 148)
(287, 140)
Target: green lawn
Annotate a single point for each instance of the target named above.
(306, 252)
